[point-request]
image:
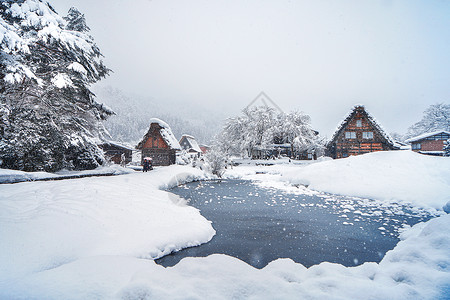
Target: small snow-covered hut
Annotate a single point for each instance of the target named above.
(159, 144)
(359, 133)
(431, 143)
(114, 150)
(188, 143)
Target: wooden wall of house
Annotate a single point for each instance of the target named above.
(155, 141)
(156, 148)
(160, 157)
(428, 145)
(114, 153)
(359, 144)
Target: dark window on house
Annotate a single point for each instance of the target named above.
(368, 135)
(350, 135)
(359, 123)
(416, 146)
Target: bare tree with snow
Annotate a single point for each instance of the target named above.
(436, 117)
(260, 127)
(217, 161)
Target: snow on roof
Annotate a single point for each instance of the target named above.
(192, 141)
(159, 122)
(425, 135)
(371, 119)
(118, 144)
(166, 134)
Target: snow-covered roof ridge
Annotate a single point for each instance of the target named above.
(371, 119)
(425, 135)
(160, 123)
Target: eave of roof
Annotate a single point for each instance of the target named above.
(425, 135)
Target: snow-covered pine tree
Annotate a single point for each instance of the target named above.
(49, 119)
(76, 21)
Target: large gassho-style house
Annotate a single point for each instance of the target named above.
(431, 143)
(359, 133)
(159, 144)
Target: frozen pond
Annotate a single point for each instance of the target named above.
(258, 224)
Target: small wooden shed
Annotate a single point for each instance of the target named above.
(431, 143)
(159, 144)
(359, 133)
(114, 150)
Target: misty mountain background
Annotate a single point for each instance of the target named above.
(133, 113)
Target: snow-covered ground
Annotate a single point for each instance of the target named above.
(14, 176)
(44, 226)
(92, 238)
(398, 176)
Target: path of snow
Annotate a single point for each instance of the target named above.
(85, 239)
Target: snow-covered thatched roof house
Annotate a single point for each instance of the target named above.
(159, 144)
(188, 143)
(431, 143)
(359, 133)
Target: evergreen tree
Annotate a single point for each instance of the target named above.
(49, 119)
(76, 21)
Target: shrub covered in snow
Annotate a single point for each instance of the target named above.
(49, 119)
(217, 161)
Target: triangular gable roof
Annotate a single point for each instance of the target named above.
(192, 142)
(370, 118)
(166, 134)
(425, 135)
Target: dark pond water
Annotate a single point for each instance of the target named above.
(258, 224)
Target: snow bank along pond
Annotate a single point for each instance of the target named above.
(259, 224)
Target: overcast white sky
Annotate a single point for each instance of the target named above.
(320, 56)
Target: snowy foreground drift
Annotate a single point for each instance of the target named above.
(48, 225)
(85, 239)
